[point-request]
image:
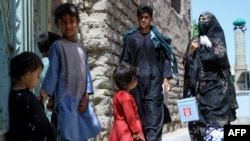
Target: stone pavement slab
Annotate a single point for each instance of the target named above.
(178, 135)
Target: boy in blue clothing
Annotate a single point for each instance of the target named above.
(68, 79)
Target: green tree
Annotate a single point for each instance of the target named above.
(195, 29)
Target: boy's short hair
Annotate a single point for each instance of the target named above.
(144, 9)
(45, 40)
(64, 9)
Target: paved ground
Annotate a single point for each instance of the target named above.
(178, 135)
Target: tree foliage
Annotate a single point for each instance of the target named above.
(195, 29)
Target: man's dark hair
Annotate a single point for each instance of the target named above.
(124, 74)
(64, 9)
(45, 40)
(144, 9)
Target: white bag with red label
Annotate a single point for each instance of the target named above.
(188, 109)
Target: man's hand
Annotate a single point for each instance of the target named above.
(167, 85)
(84, 103)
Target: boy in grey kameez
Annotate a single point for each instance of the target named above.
(68, 79)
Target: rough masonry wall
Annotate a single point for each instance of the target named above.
(103, 22)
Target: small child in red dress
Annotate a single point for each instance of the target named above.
(127, 125)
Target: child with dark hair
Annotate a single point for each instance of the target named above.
(68, 79)
(44, 42)
(127, 125)
(28, 121)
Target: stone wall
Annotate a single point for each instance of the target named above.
(103, 22)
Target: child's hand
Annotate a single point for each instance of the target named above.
(84, 103)
(136, 137)
(50, 104)
(43, 96)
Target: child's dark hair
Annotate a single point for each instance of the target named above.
(144, 9)
(124, 74)
(64, 9)
(23, 63)
(45, 40)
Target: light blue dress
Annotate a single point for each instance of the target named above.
(68, 78)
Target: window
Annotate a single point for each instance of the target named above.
(176, 4)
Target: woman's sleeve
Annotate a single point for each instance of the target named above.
(221, 55)
(207, 54)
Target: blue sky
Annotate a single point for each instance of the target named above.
(226, 12)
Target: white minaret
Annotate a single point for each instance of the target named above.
(240, 54)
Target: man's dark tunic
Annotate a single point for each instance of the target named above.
(153, 66)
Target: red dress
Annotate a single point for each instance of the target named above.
(126, 118)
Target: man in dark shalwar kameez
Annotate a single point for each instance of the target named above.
(143, 47)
